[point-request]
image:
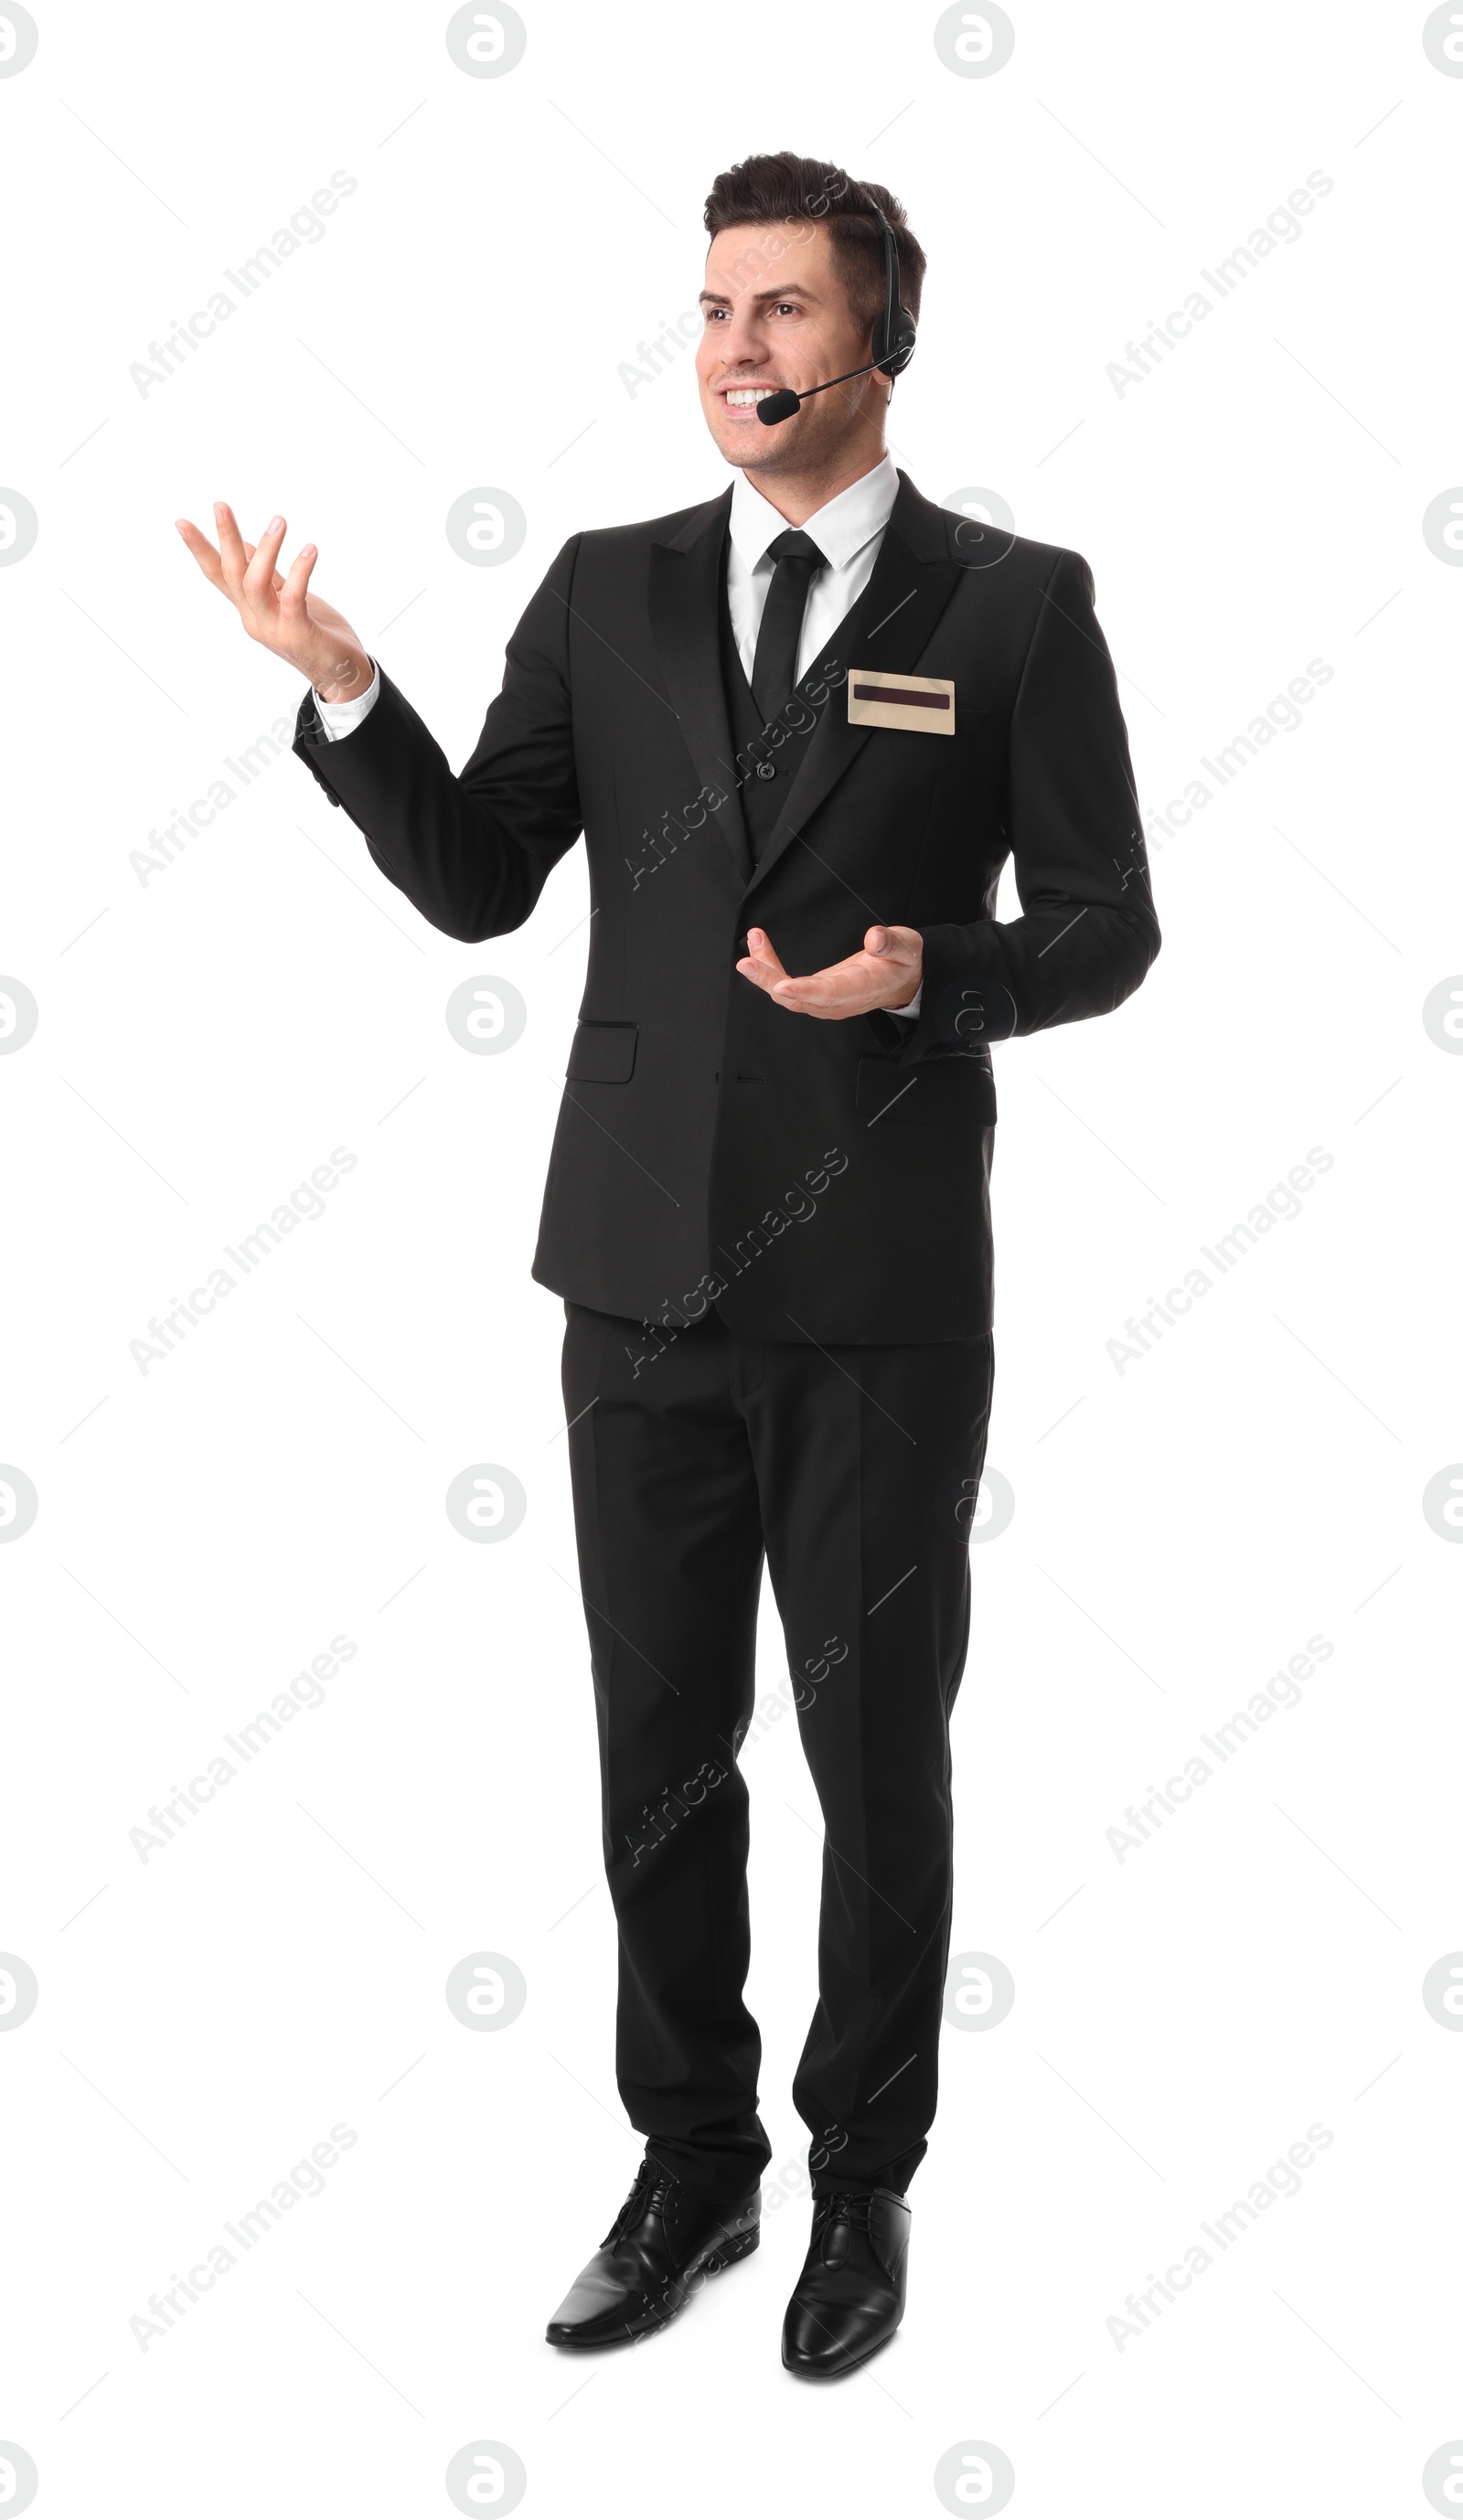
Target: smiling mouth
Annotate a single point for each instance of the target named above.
(746, 397)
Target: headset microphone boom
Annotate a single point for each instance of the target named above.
(893, 344)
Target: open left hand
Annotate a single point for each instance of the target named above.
(282, 613)
(886, 974)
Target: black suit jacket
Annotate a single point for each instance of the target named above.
(814, 1179)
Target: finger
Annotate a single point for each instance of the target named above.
(762, 963)
(204, 553)
(258, 575)
(905, 943)
(292, 589)
(277, 581)
(762, 946)
(230, 543)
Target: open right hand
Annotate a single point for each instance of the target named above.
(280, 612)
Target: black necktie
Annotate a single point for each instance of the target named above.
(774, 666)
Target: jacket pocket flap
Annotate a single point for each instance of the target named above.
(603, 1054)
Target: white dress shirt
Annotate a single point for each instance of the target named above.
(848, 532)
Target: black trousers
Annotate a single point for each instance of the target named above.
(855, 1471)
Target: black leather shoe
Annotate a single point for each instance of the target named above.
(663, 2242)
(849, 2296)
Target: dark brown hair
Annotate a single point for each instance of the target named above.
(764, 190)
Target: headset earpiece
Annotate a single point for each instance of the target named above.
(893, 344)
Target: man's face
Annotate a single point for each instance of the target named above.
(776, 313)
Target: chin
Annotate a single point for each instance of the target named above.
(767, 451)
(764, 455)
(744, 455)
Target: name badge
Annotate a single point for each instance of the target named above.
(915, 702)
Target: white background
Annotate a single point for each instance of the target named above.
(1183, 1526)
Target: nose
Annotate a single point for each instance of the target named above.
(744, 342)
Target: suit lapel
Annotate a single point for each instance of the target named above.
(685, 596)
(888, 629)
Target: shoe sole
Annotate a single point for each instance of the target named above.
(724, 2254)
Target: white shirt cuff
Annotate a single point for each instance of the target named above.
(342, 717)
(910, 1010)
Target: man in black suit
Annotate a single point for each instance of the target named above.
(801, 728)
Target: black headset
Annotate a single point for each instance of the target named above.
(893, 344)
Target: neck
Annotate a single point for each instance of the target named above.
(797, 496)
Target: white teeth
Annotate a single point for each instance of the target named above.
(740, 396)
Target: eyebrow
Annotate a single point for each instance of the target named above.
(762, 297)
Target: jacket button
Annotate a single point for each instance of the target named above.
(767, 770)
